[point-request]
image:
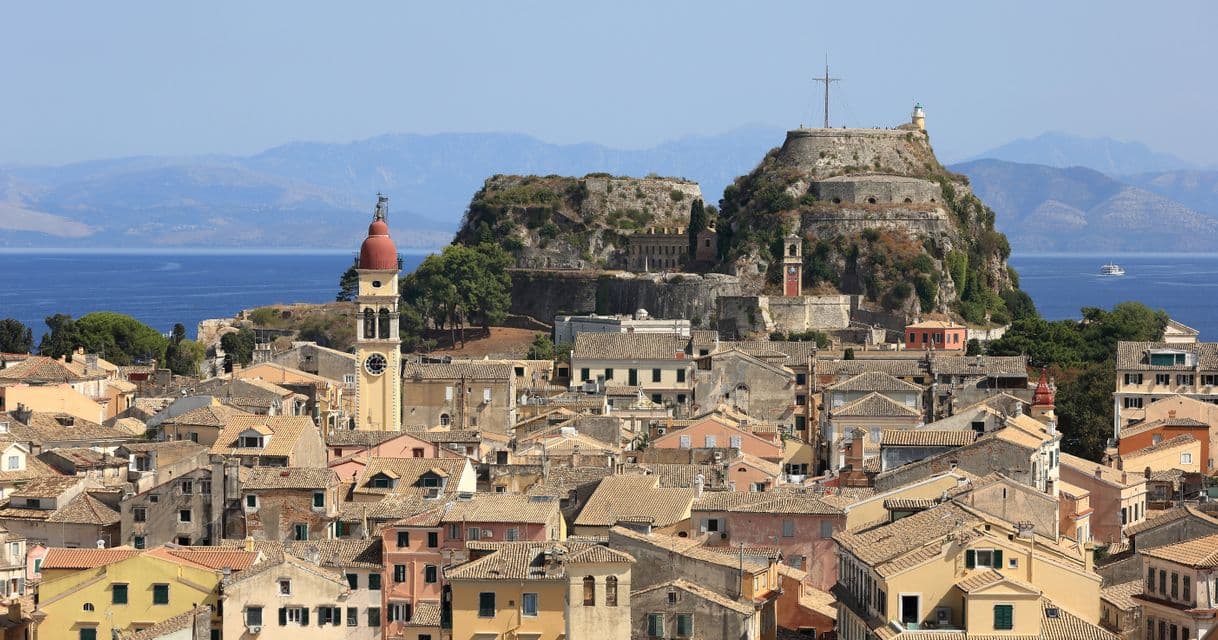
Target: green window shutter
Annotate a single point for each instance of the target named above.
(160, 594)
(283, 616)
(119, 594)
(998, 559)
(970, 559)
(337, 616)
(1003, 617)
(304, 617)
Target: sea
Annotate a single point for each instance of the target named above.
(164, 288)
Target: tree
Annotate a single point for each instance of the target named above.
(541, 349)
(697, 224)
(1084, 409)
(61, 340)
(348, 285)
(461, 286)
(120, 338)
(973, 348)
(15, 337)
(238, 347)
(848, 354)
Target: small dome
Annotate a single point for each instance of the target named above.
(378, 251)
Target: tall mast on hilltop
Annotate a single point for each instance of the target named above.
(827, 81)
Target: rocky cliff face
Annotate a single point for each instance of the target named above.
(555, 222)
(878, 216)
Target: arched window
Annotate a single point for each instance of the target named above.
(445, 420)
(871, 200)
(88, 606)
(384, 324)
(908, 200)
(611, 591)
(589, 591)
(791, 250)
(369, 324)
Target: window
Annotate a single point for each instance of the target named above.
(685, 625)
(796, 561)
(1186, 458)
(801, 379)
(735, 442)
(319, 499)
(486, 396)
(632, 377)
(403, 538)
(512, 534)
(680, 375)
(801, 400)
(788, 528)
(433, 539)
(1162, 378)
(486, 604)
(251, 442)
(1133, 378)
(655, 625)
(1187, 593)
(1209, 379)
(1184, 379)
(300, 531)
(1150, 580)
(589, 591)
(583, 374)
(454, 531)
(88, 633)
(1175, 585)
(139, 542)
(353, 581)
(14, 462)
(251, 501)
(374, 582)
(160, 594)
(374, 616)
(611, 591)
(710, 442)
(1162, 582)
(188, 487)
(988, 558)
(285, 587)
(1003, 617)
(118, 594)
(399, 573)
(430, 574)
(185, 515)
(826, 529)
(473, 533)
(139, 514)
(609, 374)
(528, 604)
(686, 442)
(352, 616)
(655, 375)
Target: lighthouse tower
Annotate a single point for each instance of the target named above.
(919, 117)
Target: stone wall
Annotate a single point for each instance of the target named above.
(545, 294)
(829, 151)
(744, 315)
(877, 189)
(828, 220)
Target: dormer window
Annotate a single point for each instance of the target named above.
(251, 439)
(1165, 358)
(381, 481)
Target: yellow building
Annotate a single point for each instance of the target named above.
(532, 590)
(91, 593)
(378, 346)
(951, 568)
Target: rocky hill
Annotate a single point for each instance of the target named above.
(1042, 208)
(878, 216)
(555, 222)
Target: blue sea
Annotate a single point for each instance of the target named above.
(163, 288)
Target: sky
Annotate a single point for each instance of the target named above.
(86, 80)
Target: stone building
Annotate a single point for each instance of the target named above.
(180, 510)
(322, 361)
(657, 249)
(873, 188)
(679, 608)
(657, 366)
(757, 387)
(271, 441)
(289, 503)
(471, 394)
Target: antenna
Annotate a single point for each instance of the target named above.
(827, 81)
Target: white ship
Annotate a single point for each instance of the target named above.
(1112, 269)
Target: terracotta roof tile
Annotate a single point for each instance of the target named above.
(1201, 553)
(875, 405)
(180, 622)
(285, 433)
(59, 558)
(263, 478)
(1133, 355)
(926, 438)
(874, 381)
(214, 415)
(45, 369)
(425, 614)
(1121, 595)
(619, 498)
(85, 509)
(516, 561)
(629, 346)
(501, 507)
(718, 599)
(1182, 440)
(470, 369)
(338, 554)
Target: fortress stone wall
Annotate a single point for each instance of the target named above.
(825, 152)
(745, 315)
(829, 220)
(544, 294)
(877, 189)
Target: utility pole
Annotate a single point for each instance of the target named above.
(827, 81)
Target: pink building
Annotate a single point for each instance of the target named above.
(936, 335)
(713, 432)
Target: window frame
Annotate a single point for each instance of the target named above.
(524, 601)
(1001, 611)
(486, 603)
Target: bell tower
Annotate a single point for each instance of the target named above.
(378, 346)
(792, 266)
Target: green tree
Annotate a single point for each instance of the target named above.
(697, 224)
(120, 338)
(1084, 409)
(848, 354)
(183, 356)
(542, 348)
(238, 347)
(461, 286)
(973, 348)
(15, 337)
(62, 339)
(348, 285)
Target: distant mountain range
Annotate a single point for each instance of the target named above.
(317, 194)
(1053, 192)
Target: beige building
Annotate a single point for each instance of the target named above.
(293, 598)
(1177, 598)
(1147, 372)
(466, 394)
(658, 366)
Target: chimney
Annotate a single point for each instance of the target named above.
(1098, 473)
(249, 543)
(1146, 473)
(90, 361)
(699, 485)
(1088, 556)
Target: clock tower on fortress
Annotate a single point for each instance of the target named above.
(377, 345)
(792, 266)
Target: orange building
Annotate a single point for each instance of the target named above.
(937, 335)
(1142, 435)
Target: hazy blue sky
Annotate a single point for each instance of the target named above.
(94, 79)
